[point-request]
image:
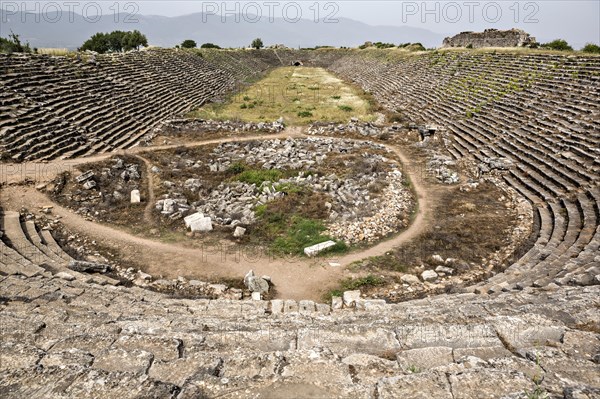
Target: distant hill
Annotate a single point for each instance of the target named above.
(169, 31)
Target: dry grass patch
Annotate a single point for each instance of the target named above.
(300, 95)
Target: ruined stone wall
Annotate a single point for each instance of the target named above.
(491, 38)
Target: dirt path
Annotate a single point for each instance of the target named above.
(418, 224)
(46, 171)
(297, 278)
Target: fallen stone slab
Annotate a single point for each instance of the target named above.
(198, 222)
(314, 250)
(188, 220)
(135, 197)
(88, 267)
(88, 185)
(85, 176)
(65, 276)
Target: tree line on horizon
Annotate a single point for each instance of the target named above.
(116, 41)
(119, 41)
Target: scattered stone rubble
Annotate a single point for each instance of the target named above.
(356, 213)
(119, 183)
(365, 129)
(392, 212)
(258, 286)
(440, 166)
(490, 164)
(207, 126)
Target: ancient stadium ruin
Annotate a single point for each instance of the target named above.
(418, 225)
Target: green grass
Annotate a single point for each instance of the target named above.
(305, 114)
(350, 284)
(259, 176)
(345, 108)
(303, 233)
(288, 226)
(290, 188)
(414, 369)
(237, 168)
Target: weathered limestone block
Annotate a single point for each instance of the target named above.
(489, 383)
(162, 348)
(452, 335)
(425, 358)
(370, 369)
(177, 371)
(318, 248)
(135, 197)
(415, 386)
(351, 297)
(349, 340)
(68, 358)
(88, 267)
(133, 361)
(18, 356)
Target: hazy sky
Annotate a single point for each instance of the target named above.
(576, 21)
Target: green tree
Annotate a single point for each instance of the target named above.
(558, 44)
(189, 43)
(115, 41)
(135, 39)
(591, 48)
(99, 43)
(257, 43)
(210, 45)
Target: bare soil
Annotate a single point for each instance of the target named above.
(295, 278)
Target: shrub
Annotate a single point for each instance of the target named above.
(236, 168)
(345, 108)
(305, 114)
(591, 48)
(210, 45)
(189, 43)
(13, 44)
(416, 47)
(384, 45)
(558, 44)
(257, 43)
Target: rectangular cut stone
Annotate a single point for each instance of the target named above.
(135, 197)
(276, 306)
(306, 306)
(198, 222)
(188, 220)
(318, 248)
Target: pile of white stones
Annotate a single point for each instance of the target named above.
(356, 211)
(392, 210)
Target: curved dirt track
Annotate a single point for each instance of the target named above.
(297, 278)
